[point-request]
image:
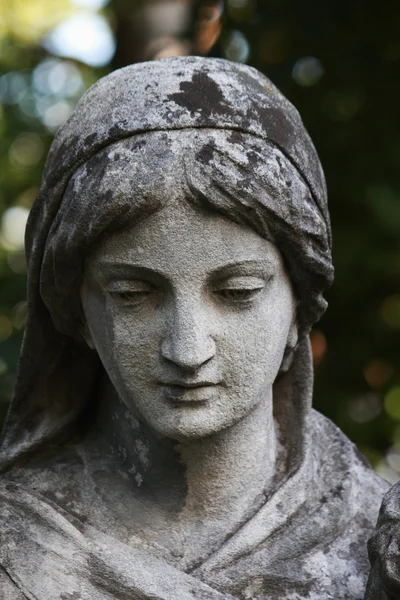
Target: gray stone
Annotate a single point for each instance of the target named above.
(384, 550)
(160, 441)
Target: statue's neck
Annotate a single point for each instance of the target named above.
(229, 473)
(222, 478)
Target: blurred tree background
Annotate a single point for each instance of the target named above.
(337, 61)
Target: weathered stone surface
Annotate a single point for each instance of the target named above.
(161, 442)
(384, 550)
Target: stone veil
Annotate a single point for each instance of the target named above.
(307, 541)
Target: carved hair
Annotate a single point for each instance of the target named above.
(238, 175)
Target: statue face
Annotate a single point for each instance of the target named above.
(190, 314)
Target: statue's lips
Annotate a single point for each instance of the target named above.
(189, 392)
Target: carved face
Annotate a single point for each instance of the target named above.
(190, 314)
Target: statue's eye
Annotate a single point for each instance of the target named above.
(240, 289)
(238, 294)
(133, 293)
(133, 296)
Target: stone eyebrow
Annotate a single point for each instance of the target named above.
(109, 270)
(263, 267)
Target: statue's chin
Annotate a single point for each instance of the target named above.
(198, 416)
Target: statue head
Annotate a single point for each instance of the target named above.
(190, 309)
(182, 232)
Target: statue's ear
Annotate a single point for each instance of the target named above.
(291, 344)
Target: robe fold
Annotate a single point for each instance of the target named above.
(309, 540)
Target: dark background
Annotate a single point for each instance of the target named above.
(337, 61)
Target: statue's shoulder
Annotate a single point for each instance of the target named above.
(38, 522)
(57, 479)
(341, 457)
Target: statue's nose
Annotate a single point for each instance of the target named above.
(188, 343)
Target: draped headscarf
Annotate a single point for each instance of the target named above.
(265, 171)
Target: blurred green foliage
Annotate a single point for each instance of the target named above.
(339, 63)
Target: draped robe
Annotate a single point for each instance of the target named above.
(308, 541)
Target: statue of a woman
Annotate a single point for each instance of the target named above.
(160, 442)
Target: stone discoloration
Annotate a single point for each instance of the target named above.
(384, 550)
(319, 551)
(114, 486)
(201, 96)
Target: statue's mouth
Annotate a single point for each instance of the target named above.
(198, 391)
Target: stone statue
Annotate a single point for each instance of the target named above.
(160, 443)
(384, 550)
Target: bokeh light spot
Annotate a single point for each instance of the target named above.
(12, 229)
(5, 328)
(58, 77)
(86, 37)
(384, 201)
(13, 87)
(26, 151)
(383, 469)
(3, 367)
(236, 47)
(307, 71)
(19, 314)
(56, 114)
(393, 458)
(392, 403)
(91, 4)
(390, 311)
(342, 105)
(17, 262)
(26, 198)
(377, 373)
(318, 346)
(366, 408)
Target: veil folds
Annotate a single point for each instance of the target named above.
(57, 374)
